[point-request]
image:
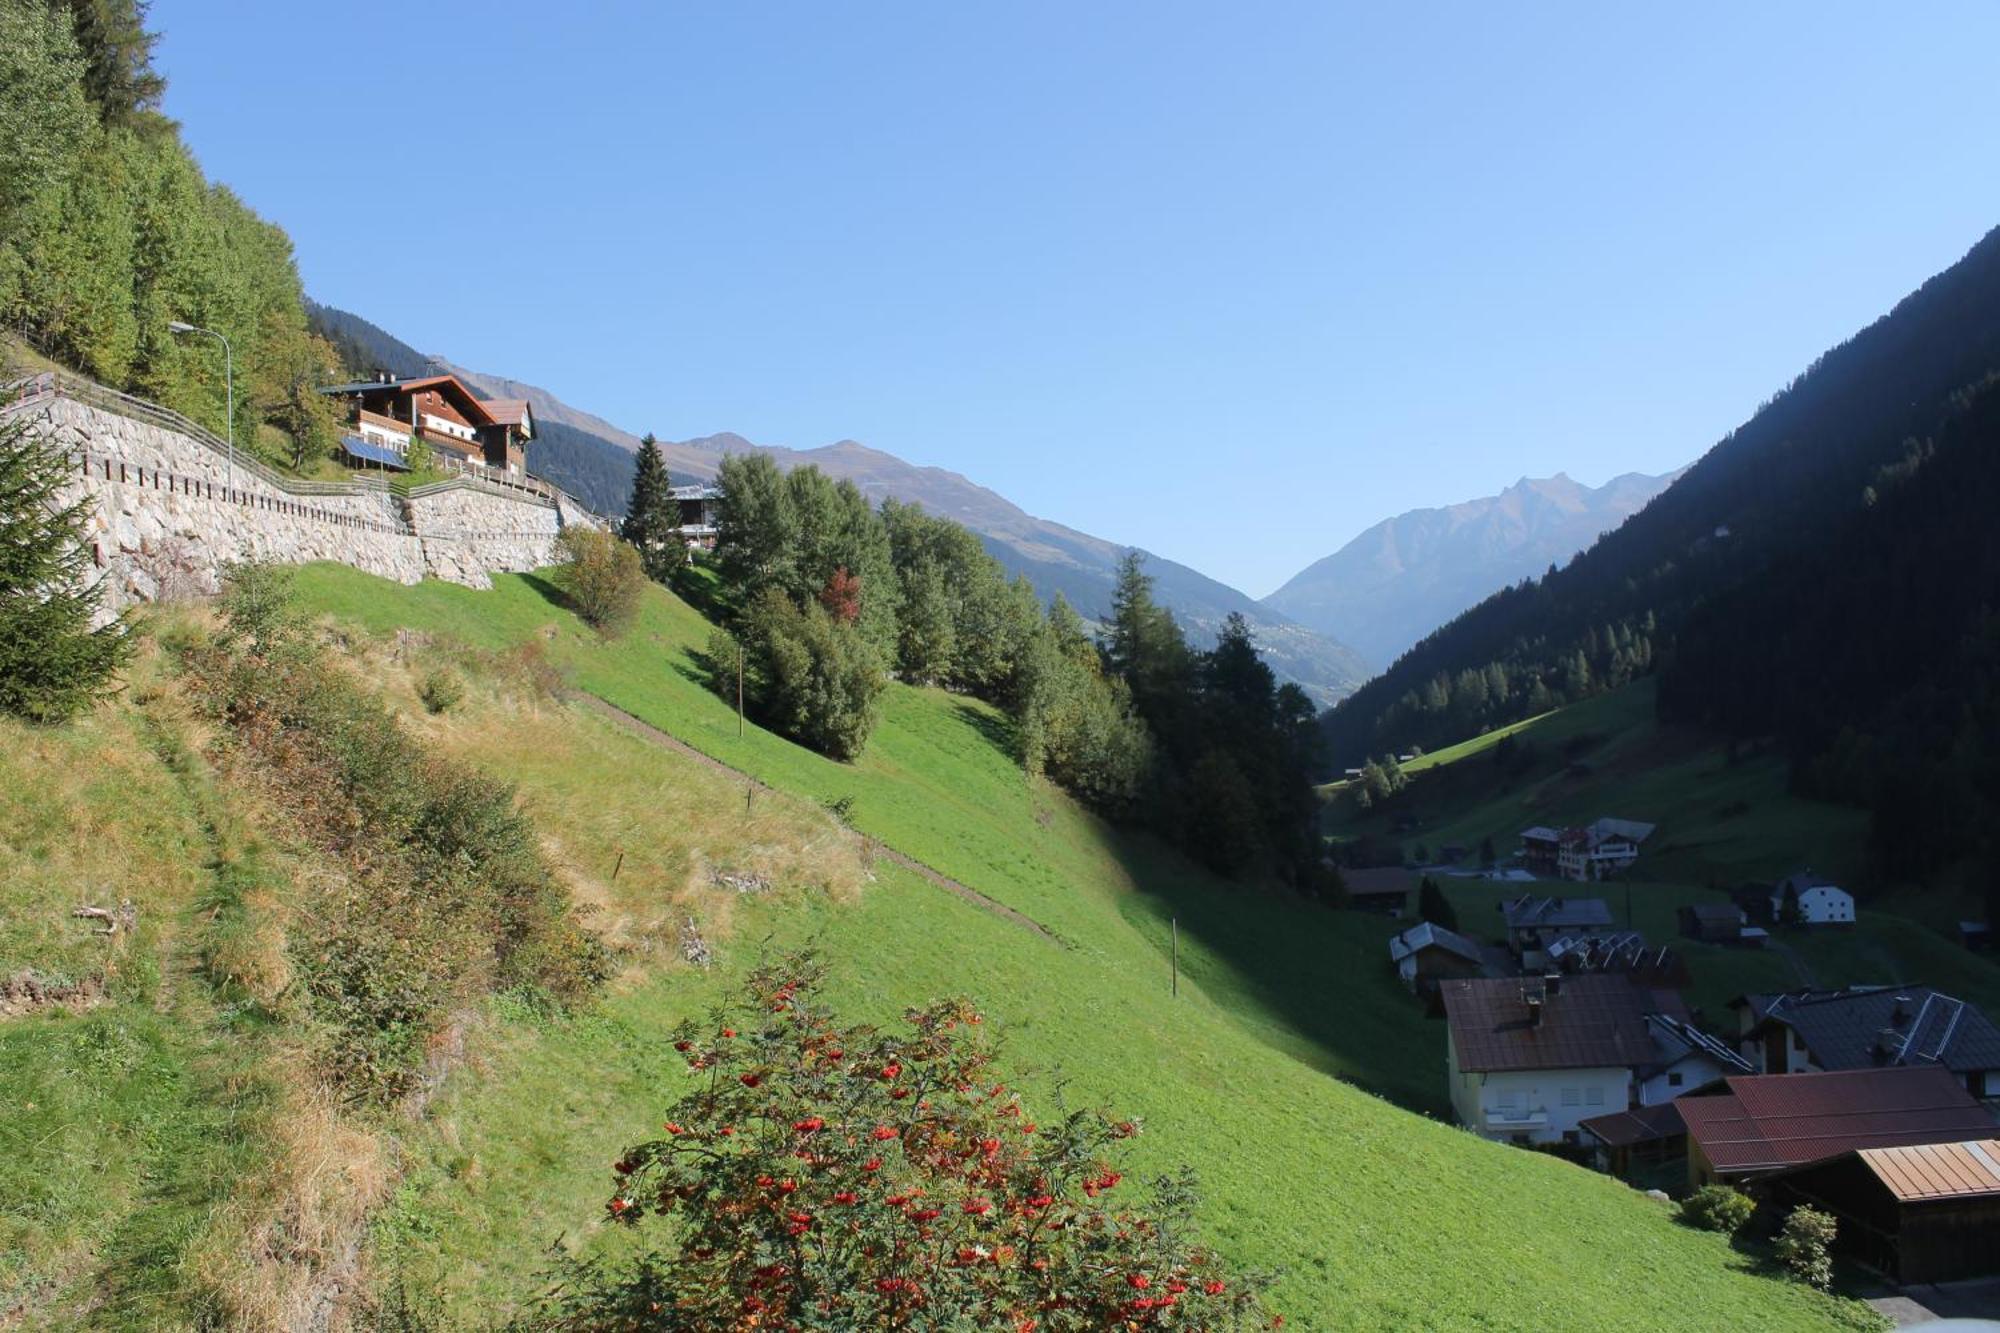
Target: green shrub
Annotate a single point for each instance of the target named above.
(440, 690)
(809, 675)
(446, 896)
(1717, 1208)
(1805, 1247)
(602, 576)
(53, 664)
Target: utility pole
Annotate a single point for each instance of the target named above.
(739, 691)
(1177, 955)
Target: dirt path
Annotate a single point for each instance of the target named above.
(647, 731)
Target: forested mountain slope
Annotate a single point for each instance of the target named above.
(1773, 490)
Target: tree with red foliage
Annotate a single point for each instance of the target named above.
(845, 1178)
(842, 596)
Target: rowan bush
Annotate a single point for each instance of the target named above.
(826, 1177)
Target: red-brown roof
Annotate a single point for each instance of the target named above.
(506, 411)
(1768, 1121)
(1646, 1124)
(1585, 1022)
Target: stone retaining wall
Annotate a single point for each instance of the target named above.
(169, 509)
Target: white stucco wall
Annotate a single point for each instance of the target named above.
(1541, 1104)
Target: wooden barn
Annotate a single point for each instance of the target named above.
(1920, 1213)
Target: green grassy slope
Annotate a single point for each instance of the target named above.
(1381, 1218)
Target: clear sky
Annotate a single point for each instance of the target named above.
(1229, 281)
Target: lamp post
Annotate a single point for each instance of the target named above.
(229, 389)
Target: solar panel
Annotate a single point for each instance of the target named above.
(370, 452)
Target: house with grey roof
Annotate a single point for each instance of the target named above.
(1535, 922)
(1870, 1027)
(1427, 954)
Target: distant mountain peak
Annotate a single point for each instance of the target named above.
(1408, 575)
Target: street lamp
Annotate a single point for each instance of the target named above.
(229, 388)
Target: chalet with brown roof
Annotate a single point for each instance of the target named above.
(1765, 1123)
(1529, 1058)
(465, 432)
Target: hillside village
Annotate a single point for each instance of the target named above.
(431, 901)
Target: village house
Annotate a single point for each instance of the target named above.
(700, 515)
(1765, 1123)
(1539, 846)
(1427, 954)
(1534, 923)
(464, 432)
(1809, 900)
(1918, 1213)
(1597, 851)
(1600, 850)
(1384, 890)
(1721, 923)
(1870, 1027)
(1530, 1058)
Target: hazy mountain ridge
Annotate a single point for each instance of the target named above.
(1406, 576)
(590, 457)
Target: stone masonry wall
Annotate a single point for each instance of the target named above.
(166, 517)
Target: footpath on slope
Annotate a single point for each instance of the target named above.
(647, 731)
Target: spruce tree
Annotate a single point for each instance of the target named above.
(653, 518)
(52, 663)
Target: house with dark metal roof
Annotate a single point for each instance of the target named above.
(1766, 1123)
(1383, 889)
(1643, 1139)
(1427, 954)
(1529, 1058)
(1534, 922)
(1926, 1212)
(1871, 1027)
(1713, 922)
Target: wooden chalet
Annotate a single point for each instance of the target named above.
(465, 432)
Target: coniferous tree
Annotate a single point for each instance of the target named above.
(52, 662)
(652, 519)
(1434, 907)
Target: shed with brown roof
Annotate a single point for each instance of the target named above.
(1766, 1123)
(1920, 1212)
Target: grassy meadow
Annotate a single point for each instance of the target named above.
(168, 1166)
(1352, 1196)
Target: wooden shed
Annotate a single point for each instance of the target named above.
(1919, 1213)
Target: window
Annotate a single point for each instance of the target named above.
(1572, 1097)
(1593, 1097)
(1674, 1079)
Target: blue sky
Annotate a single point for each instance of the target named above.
(1227, 281)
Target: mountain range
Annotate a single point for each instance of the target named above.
(592, 459)
(1406, 576)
